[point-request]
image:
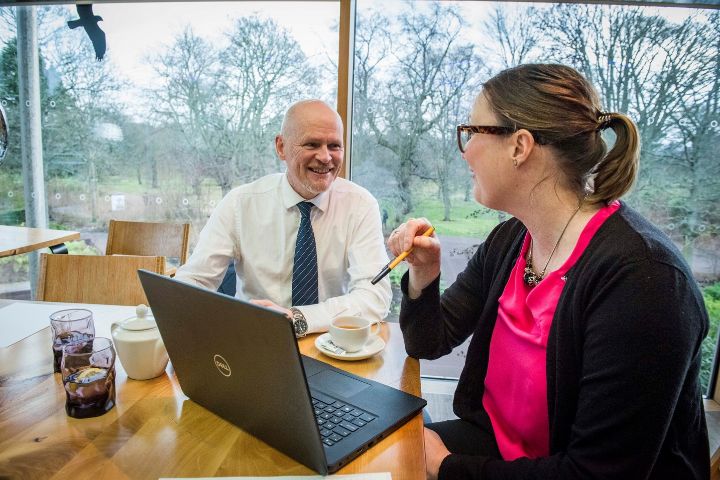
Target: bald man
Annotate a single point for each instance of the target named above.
(265, 227)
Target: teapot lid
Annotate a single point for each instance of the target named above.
(143, 321)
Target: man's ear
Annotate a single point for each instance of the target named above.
(280, 147)
(523, 145)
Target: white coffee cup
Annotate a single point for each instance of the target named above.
(352, 333)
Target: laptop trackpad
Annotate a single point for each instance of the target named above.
(330, 382)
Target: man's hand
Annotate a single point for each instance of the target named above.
(274, 306)
(435, 453)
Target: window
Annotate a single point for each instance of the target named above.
(189, 96)
(419, 65)
(184, 106)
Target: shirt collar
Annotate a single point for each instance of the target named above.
(290, 197)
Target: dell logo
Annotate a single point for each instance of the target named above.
(222, 365)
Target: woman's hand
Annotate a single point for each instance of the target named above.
(424, 260)
(435, 453)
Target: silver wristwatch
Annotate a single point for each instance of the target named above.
(299, 323)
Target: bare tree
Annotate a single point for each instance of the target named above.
(696, 133)
(229, 106)
(75, 90)
(77, 98)
(188, 98)
(441, 160)
(665, 75)
(429, 68)
(512, 30)
(50, 22)
(265, 70)
(641, 64)
(372, 47)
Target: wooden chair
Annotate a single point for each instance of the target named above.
(94, 279)
(146, 238)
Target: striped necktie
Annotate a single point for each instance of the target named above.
(305, 273)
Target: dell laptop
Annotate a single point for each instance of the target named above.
(241, 361)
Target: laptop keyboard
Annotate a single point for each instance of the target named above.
(337, 420)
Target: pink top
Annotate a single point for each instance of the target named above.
(515, 395)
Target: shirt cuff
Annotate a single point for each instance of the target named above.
(316, 317)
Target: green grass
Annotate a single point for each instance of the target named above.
(79, 247)
(468, 219)
(129, 185)
(118, 183)
(711, 294)
(126, 184)
(66, 184)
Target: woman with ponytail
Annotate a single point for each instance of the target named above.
(586, 322)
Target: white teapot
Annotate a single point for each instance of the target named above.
(139, 345)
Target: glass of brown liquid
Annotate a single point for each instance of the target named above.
(88, 373)
(68, 326)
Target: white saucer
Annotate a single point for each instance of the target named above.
(372, 348)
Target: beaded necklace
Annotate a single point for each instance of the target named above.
(529, 276)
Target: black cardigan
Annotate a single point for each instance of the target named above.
(623, 356)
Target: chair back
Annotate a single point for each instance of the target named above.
(110, 280)
(147, 238)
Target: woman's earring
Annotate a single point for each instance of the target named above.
(515, 164)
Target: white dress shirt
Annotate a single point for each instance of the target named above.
(256, 226)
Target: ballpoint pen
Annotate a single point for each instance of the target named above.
(398, 259)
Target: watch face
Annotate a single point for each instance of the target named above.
(300, 326)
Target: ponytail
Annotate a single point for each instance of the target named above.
(616, 173)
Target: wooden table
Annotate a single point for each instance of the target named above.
(155, 431)
(17, 240)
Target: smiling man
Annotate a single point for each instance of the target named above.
(304, 242)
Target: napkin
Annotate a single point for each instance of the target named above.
(327, 343)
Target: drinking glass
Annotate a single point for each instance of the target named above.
(68, 326)
(88, 373)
